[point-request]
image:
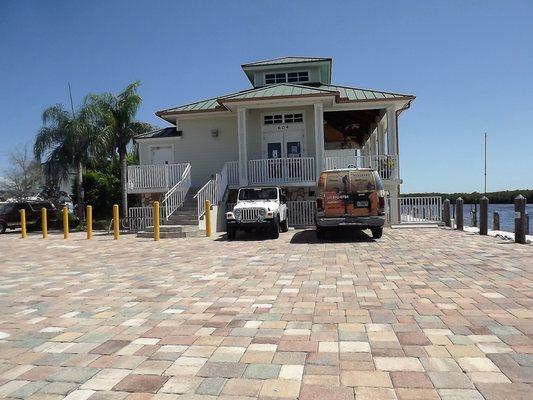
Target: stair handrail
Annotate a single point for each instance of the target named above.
(213, 190)
(206, 192)
(175, 196)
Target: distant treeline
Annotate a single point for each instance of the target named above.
(502, 197)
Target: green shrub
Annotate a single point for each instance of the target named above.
(102, 190)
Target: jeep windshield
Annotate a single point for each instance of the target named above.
(258, 194)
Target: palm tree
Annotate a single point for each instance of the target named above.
(117, 114)
(67, 140)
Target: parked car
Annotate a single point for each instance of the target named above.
(263, 208)
(351, 198)
(10, 214)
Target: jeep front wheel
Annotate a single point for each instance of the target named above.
(284, 225)
(275, 228)
(231, 233)
(3, 227)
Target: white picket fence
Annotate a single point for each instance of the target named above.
(414, 210)
(141, 217)
(281, 170)
(301, 213)
(154, 177)
(232, 168)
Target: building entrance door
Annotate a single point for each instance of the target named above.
(162, 155)
(285, 147)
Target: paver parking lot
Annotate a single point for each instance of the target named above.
(419, 314)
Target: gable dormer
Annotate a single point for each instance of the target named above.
(295, 70)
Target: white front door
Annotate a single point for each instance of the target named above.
(162, 155)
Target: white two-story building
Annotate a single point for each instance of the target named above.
(291, 124)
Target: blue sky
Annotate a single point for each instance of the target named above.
(468, 62)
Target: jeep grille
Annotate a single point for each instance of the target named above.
(250, 214)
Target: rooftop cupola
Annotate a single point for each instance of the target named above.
(295, 70)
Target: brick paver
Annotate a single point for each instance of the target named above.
(420, 314)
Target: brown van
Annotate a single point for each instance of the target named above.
(350, 198)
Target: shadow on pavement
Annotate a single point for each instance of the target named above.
(254, 236)
(335, 236)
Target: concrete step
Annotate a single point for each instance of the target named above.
(173, 228)
(182, 220)
(173, 232)
(171, 235)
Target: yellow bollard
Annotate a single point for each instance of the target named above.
(66, 232)
(116, 222)
(89, 222)
(23, 223)
(207, 218)
(156, 221)
(44, 222)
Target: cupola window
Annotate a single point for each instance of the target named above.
(291, 77)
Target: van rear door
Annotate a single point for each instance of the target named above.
(350, 193)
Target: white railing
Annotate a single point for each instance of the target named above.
(414, 209)
(221, 180)
(281, 170)
(215, 189)
(141, 217)
(386, 165)
(157, 176)
(301, 213)
(233, 173)
(208, 192)
(175, 197)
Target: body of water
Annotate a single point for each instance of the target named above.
(506, 212)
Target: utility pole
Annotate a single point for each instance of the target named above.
(485, 171)
(71, 103)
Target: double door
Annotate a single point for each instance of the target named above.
(283, 144)
(284, 149)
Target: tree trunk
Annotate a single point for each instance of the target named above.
(79, 191)
(123, 182)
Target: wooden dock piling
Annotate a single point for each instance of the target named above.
(496, 221)
(484, 216)
(459, 217)
(520, 219)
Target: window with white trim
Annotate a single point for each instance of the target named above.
(302, 76)
(297, 118)
(282, 77)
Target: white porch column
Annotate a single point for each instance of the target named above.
(243, 149)
(392, 136)
(381, 136)
(319, 138)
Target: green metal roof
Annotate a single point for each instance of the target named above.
(344, 94)
(285, 60)
(278, 90)
(357, 94)
(202, 105)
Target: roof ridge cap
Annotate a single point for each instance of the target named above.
(371, 90)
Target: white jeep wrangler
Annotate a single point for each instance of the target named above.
(258, 208)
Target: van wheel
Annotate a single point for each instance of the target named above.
(284, 225)
(320, 233)
(3, 227)
(377, 232)
(275, 229)
(231, 233)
